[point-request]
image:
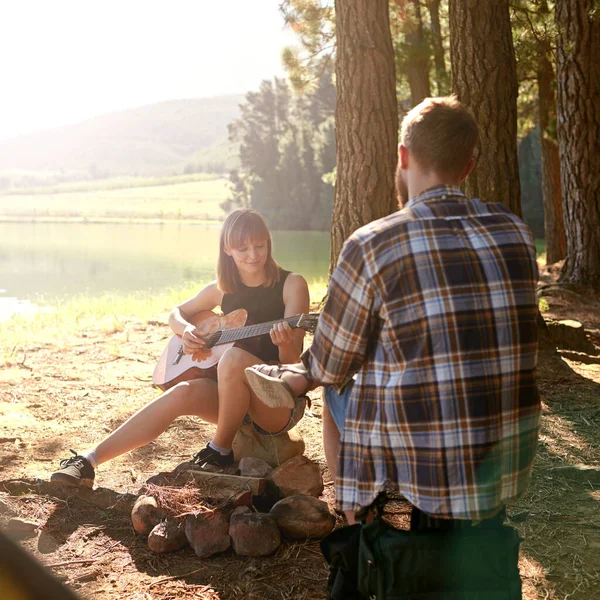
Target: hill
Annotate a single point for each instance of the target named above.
(151, 140)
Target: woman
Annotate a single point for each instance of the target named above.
(247, 277)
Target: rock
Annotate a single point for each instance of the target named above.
(301, 517)
(571, 335)
(518, 516)
(273, 449)
(5, 508)
(167, 536)
(146, 515)
(254, 534)
(242, 498)
(19, 529)
(240, 510)
(47, 544)
(208, 533)
(298, 475)
(250, 466)
(580, 472)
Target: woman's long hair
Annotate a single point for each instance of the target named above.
(242, 227)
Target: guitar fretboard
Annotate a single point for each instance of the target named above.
(227, 336)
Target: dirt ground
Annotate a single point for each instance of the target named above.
(68, 393)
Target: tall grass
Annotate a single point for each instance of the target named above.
(62, 322)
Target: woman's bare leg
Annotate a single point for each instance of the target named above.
(225, 404)
(299, 384)
(199, 398)
(236, 399)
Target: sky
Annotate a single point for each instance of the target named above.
(62, 61)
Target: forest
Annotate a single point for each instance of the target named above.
(521, 67)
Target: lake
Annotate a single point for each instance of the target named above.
(62, 259)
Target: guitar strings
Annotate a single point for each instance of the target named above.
(239, 333)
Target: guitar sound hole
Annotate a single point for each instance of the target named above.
(214, 339)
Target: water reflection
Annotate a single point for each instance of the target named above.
(14, 306)
(56, 259)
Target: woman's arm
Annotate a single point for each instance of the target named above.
(296, 301)
(207, 298)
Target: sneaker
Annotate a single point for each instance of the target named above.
(207, 457)
(75, 471)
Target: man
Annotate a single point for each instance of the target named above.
(433, 310)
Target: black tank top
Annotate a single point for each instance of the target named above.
(263, 304)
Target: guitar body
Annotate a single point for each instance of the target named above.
(169, 372)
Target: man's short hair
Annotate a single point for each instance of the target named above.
(441, 134)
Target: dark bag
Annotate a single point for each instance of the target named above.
(340, 549)
(376, 561)
(479, 563)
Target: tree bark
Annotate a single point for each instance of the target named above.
(441, 75)
(366, 118)
(578, 76)
(553, 217)
(554, 229)
(484, 77)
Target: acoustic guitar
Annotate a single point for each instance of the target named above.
(220, 333)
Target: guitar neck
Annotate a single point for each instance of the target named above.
(227, 336)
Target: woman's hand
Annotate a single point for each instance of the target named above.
(191, 341)
(282, 334)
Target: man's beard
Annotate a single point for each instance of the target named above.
(401, 187)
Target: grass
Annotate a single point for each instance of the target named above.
(58, 321)
(113, 183)
(189, 197)
(540, 248)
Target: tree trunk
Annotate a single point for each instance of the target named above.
(366, 118)
(578, 76)
(554, 229)
(417, 64)
(484, 77)
(553, 217)
(441, 75)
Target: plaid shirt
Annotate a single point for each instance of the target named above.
(434, 308)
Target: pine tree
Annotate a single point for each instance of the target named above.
(535, 34)
(286, 145)
(485, 79)
(578, 76)
(366, 118)
(313, 22)
(412, 49)
(442, 78)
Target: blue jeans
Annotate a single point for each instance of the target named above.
(337, 402)
(296, 414)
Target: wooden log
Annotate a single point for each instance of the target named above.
(218, 486)
(234, 482)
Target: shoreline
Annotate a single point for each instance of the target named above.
(108, 220)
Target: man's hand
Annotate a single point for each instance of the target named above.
(191, 340)
(282, 334)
